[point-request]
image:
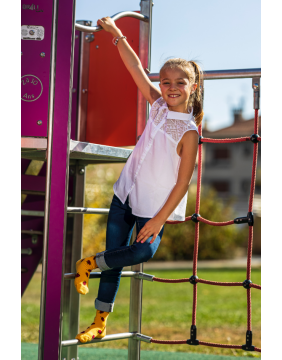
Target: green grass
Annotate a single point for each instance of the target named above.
(30, 352)
(167, 311)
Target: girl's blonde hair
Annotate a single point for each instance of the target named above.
(195, 74)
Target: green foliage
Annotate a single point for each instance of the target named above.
(178, 240)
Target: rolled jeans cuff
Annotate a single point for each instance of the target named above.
(102, 306)
(100, 261)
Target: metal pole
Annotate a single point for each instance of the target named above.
(135, 309)
(56, 180)
(145, 58)
(221, 74)
(48, 181)
(136, 285)
(76, 254)
(83, 80)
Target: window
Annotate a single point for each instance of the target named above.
(221, 153)
(247, 150)
(246, 185)
(221, 186)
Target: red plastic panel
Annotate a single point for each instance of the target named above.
(36, 23)
(112, 93)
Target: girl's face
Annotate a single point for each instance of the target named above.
(176, 89)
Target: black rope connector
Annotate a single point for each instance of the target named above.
(254, 138)
(193, 335)
(246, 284)
(194, 217)
(200, 140)
(241, 220)
(250, 217)
(193, 280)
(248, 346)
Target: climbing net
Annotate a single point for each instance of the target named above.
(196, 218)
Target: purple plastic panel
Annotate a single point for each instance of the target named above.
(59, 178)
(75, 86)
(36, 24)
(34, 183)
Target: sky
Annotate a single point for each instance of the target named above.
(219, 34)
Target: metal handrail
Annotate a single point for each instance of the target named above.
(221, 74)
(91, 29)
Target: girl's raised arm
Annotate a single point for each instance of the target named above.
(131, 61)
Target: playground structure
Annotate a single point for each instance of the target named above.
(64, 124)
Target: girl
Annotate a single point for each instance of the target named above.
(153, 184)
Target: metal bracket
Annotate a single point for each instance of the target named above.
(143, 276)
(34, 239)
(256, 88)
(248, 346)
(142, 337)
(89, 38)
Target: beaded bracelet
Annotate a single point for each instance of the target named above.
(116, 39)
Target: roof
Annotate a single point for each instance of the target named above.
(238, 129)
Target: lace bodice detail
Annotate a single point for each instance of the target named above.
(174, 128)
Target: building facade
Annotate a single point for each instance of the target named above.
(228, 167)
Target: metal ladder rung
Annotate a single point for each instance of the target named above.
(84, 210)
(27, 251)
(31, 232)
(70, 210)
(136, 336)
(32, 213)
(97, 275)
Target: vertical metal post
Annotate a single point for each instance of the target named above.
(76, 255)
(135, 310)
(136, 285)
(145, 58)
(85, 40)
(256, 88)
(73, 252)
(56, 180)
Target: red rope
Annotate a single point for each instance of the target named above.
(224, 141)
(200, 218)
(173, 342)
(196, 242)
(225, 346)
(171, 281)
(220, 345)
(255, 286)
(249, 310)
(208, 282)
(171, 222)
(224, 223)
(202, 281)
(166, 342)
(221, 141)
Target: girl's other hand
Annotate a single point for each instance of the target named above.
(152, 227)
(107, 24)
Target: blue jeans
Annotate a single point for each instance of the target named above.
(118, 253)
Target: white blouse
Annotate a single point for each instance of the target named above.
(151, 171)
